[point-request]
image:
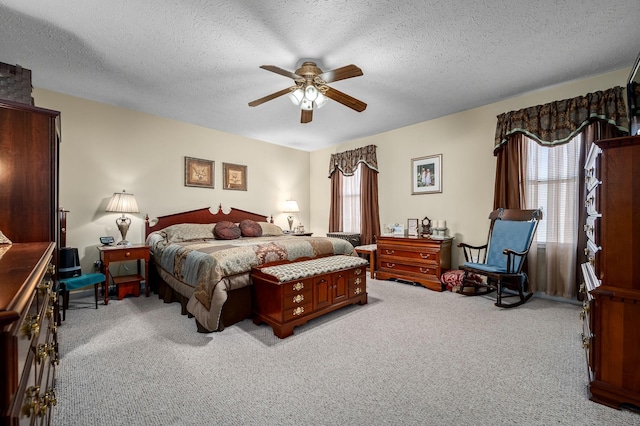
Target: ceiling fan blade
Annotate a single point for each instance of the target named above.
(280, 71)
(342, 73)
(345, 99)
(307, 115)
(270, 97)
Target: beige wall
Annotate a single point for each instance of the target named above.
(106, 149)
(465, 141)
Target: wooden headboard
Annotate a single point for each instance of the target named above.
(203, 215)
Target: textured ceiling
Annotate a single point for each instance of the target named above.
(198, 61)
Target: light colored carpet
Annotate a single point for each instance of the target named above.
(410, 357)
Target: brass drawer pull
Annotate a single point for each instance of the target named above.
(298, 298)
(357, 271)
(357, 281)
(298, 311)
(389, 251)
(390, 265)
(357, 291)
(298, 286)
(425, 270)
(425, 256)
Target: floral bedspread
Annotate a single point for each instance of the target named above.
(202, 264)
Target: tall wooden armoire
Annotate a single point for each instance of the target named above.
(29, 139)
(612, 275)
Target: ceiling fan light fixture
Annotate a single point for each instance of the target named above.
(306, 104)
(311, 92)
(296, 96)
(321, 100)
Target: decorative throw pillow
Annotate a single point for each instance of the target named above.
(270, 230)
(188, 231)
(226, 230)
(250, 228)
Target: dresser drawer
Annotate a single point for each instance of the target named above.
(421, 254)
(297, 312)
(299, 298)
(132, 253)
(297, 286)
(431, 271)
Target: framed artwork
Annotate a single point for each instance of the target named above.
(198, 172)
(426, 175)
(412, 227)
(235, 176)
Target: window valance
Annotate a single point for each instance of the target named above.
(559, 121)
(347, 161)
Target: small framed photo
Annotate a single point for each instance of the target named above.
(198, 172)
(426, 174)
(413, 229)
(235, 177)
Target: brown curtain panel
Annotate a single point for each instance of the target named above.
(509, 190)
(370, 220)
(335, 206)
(346, 163)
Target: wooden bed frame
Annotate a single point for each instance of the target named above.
(238, 304)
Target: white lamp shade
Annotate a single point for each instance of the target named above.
(296, 96)
(121, 202)
(310, 92)
(291, 206)
(306, 104)
(321, 100)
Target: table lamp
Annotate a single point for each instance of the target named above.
(121, 202)
(290, 206)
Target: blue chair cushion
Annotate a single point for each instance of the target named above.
(508, 235)
(84, 280)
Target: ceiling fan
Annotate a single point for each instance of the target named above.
(311, 88)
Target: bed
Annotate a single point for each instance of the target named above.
(207, 271)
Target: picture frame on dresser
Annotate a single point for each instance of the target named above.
(235, 177)
(199, 172)
(426, 175)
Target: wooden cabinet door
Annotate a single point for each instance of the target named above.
(321, 292)
(340, 287)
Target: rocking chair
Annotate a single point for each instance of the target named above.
(502, 258)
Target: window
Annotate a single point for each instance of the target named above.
(552, 179)
(351, 202)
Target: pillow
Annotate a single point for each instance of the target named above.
(250, 228)
(226, 230)
(188, 231)
(270, 230)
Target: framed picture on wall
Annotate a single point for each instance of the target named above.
(235, 176)
(426, 175)
(198, 172)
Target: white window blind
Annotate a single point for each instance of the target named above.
(552, 179)
(351, 202)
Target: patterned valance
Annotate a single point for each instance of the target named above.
(347, 162)
(557, 122)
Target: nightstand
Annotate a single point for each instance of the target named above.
(129, 284)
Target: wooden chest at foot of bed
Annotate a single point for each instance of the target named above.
(291, 294)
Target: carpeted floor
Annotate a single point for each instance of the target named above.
(410, 357)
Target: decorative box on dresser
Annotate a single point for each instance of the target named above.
(611, 311)
(415, 259)
(28, 334)
(29, 217)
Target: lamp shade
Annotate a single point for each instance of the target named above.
(121, 202)
(291, 206)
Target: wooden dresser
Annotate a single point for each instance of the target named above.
(28, 334)
(29, 217)
(415, 259)
(611, 311)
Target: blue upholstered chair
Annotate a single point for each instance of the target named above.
(76, 283)
(501, 260)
